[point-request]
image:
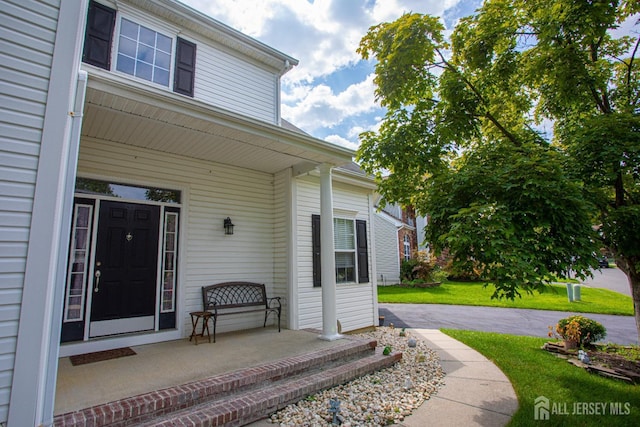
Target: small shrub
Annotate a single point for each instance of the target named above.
(421, 269)
(439, 275)
(468, 271)
(580, 329)
(408, 269)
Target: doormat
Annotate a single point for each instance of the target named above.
(99, 356)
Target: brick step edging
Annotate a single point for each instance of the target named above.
(258, 404)
(159, 402)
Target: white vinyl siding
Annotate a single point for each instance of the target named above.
(387, 253)
(211, 192)
(232, 83)
(28, 29)
(355, 301)
(224, 78)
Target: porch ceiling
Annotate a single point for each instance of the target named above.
(169, 123)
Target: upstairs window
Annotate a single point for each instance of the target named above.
(144, 53)
(141, 51)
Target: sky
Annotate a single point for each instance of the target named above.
(330, 93)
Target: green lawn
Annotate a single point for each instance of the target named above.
(594, 300)
(534, 372)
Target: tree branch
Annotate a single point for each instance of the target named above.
(481, 99)
(629, 68)
(601, 97)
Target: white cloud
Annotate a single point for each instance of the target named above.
(312, 107)
(338, 140)
(323, 35)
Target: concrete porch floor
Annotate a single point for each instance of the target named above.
(171, 363)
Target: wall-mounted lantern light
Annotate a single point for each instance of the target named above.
(228, 226)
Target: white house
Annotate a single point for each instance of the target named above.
(397, 236)
(130, 130)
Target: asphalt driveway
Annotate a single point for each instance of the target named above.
(516, 321)
(620, 329)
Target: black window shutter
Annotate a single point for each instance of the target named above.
(101, 21)
(184, 74)
(315, 239)
(363, 257)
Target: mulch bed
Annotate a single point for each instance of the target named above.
(99, 356)
(601, 362)
(419, 285)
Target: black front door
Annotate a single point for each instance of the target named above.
(126, 268)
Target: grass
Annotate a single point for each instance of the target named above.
(534, 372)
(593, 300)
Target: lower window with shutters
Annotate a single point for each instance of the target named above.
(345, 246)
(351, 250)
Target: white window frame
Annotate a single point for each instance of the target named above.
(169, 251)
(130, 14)
(154, 67)
(407, 247)
(84, 273)
(352, 251)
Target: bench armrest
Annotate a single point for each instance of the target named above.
(274, 302)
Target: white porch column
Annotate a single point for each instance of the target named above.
(327, 257)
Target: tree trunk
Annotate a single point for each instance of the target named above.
(629, 266)
(634, 282)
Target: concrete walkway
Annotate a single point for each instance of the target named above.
(476, 392)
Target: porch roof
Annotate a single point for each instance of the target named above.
(117, 111)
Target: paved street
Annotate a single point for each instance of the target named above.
(610, 278)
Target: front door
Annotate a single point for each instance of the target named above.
(123, 298)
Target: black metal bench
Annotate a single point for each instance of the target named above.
(238, 297)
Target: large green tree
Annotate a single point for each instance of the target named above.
(461, 138)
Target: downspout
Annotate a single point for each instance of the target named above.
(285, 69)
(65, 230)
(374, 263)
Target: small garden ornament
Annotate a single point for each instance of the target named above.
(583, 357)
(334, 409)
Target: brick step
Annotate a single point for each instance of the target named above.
(253, 405)
(147, 406)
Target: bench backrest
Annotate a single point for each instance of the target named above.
(233, 294)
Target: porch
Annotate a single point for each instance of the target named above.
(94, 393)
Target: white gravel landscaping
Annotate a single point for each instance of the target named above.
(382, 398)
